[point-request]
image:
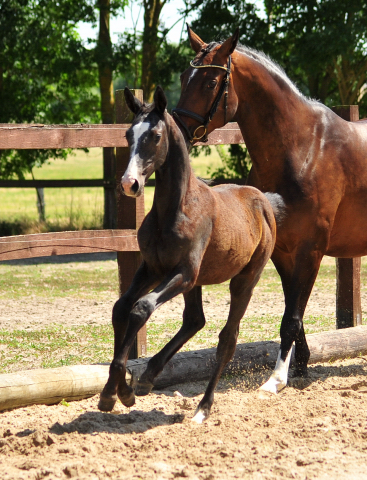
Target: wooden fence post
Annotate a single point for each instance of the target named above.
(130, 214)
(348, 270)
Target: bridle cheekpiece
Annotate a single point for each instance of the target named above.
(204, 121)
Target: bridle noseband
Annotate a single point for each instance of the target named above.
(204, 121)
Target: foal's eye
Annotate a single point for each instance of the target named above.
(212, 84)
(158, 137)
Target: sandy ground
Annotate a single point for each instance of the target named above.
(318, 432)
(315, 429)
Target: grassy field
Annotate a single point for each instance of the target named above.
(59, 345)
(72, 208)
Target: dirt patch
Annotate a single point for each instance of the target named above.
(319, 431)
(315, 429)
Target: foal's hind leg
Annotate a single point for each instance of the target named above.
(193, 321)
(241, 288)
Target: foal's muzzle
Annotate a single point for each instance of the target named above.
(130, 188)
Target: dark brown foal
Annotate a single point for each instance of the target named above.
(193, 236)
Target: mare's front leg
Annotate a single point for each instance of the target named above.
(193, 321)
(143, 281)
(175, 283)
(298, 276)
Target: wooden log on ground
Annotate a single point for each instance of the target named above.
(50, 386)
(197, 365)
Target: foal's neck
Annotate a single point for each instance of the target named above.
(173, 178)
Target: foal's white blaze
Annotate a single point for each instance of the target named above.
(279, 377)
(199, 417)
(132, 172)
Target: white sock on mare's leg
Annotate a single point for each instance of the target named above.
(279, 377)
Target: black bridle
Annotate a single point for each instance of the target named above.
(204, 121)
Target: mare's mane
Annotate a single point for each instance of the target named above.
(271, 66)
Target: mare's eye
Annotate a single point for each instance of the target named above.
(212, 84)
(158, 137)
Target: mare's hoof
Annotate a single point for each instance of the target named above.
(106, 402)
(301, 372)
(273, 386)
(127, 397)
(143, 388)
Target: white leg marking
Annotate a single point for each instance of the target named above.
(279, 377)
(199, 417)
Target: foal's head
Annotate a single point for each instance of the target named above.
(208, 98)
(147, 139)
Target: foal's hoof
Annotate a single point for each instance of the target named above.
(106, 402)
(143, 388)
(127, 397)
(201, 414)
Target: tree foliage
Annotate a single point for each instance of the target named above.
(45, 72)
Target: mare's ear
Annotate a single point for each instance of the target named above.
(160, 100)
(228, 46)
(132, 102)
(195, 41)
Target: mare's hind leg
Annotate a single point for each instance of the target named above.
(193, 321)
(241, 288)
(298, 278)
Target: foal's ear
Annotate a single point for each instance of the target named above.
(132, 102)
(228, 46)
(160, 100)
(195, 41)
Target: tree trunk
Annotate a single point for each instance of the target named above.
(152, 11)
(105, 71)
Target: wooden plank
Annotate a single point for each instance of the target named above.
(348, 270)
(197, 365)
(130, 214)
(22, 136)
(62, 243)
(58, 183)
(229, 134)
(62, 136)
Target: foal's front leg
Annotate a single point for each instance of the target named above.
(193, 321)
(175, 283)
(143, 281)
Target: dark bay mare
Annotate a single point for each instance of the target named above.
(315, 161)
(194, 235)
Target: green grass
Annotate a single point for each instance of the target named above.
(58, 345)
(72, 208)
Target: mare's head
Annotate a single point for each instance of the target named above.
(208, 99)
(147, 139)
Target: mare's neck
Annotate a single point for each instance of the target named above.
(275, 120)
(173, 178)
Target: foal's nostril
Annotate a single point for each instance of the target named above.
(135, 187)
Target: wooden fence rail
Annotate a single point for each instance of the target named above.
(130, 212)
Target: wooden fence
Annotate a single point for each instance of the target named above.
(130, 211)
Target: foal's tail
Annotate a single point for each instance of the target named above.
(278, 205)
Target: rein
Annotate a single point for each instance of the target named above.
(204, 121)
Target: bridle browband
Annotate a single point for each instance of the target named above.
(204, 121)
